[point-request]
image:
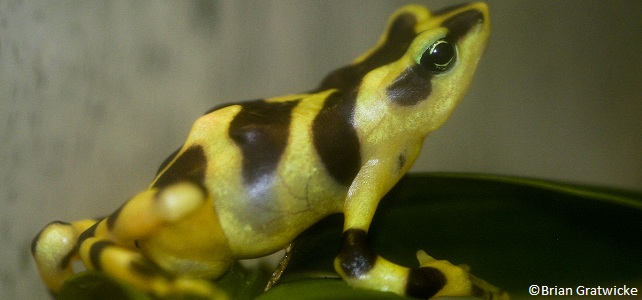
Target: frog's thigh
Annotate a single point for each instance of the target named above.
(144, 214)
(183, 234)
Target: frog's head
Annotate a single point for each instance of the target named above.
(436, 70)
(419, 71)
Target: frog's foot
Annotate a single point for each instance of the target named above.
(131, 267)
(456, 280)
(54, 248)
(360, 267)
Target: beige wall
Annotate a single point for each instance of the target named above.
(94, 95)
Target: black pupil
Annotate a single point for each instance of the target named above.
(438, 57)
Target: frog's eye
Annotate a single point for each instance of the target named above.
(439, 57)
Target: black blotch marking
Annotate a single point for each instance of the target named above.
(66, 260)
(95, 252)
(459, 24)
(410, 87)
(400, 34)
(401, 161)
(90, 232)
(336, 140)
(261, 131)
(34, 242)
(414, 84)
(425, 282)
(190, 165)
(111, 220)
(355, 256)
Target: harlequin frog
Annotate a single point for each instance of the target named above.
(253, 175)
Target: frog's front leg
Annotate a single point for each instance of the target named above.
(361, 267)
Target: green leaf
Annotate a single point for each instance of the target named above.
(239, 283)
(512, 232)
(95, 285)
(319, 289)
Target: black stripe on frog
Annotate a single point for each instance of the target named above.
(261, 131)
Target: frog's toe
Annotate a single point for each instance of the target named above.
(424, 258)
(457, 279)
(54, 250)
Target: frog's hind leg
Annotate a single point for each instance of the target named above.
(163, 240)
(54, 249)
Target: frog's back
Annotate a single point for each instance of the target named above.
(261, 162)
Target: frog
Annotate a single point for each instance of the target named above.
(253, 175)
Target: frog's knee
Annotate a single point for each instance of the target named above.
(149, 210)
(178, 200)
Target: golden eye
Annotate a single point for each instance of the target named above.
(439, 57)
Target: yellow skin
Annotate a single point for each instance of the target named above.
(253, 175)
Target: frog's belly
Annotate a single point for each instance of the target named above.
(264, 218)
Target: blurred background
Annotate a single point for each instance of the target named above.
(94, 95)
